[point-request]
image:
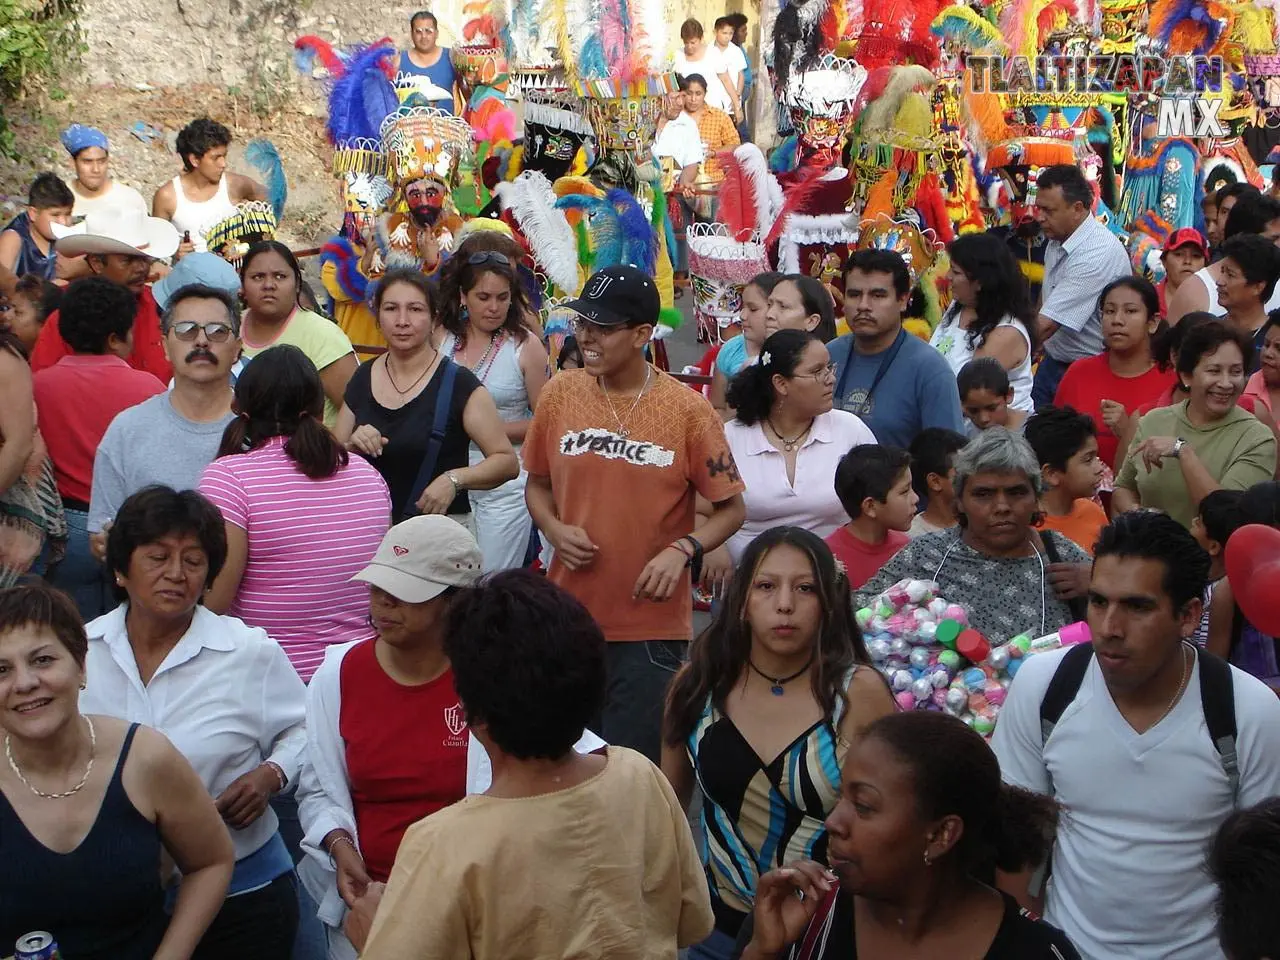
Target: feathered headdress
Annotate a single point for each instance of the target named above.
(362, 97)
(750, 198)
(965, 29)
(1189, 27)
(896, 32)
(532, 204)
(265, 158)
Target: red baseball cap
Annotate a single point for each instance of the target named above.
(1184, 236)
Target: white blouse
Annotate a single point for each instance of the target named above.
(952, 341)
(226, 696)
(810, 502)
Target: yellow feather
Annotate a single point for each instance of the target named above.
(881, 113)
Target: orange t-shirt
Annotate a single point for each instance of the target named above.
(1082, 525)
(632, 494)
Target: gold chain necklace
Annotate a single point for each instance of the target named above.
(1182, 686)
(93, 744)
(622, 430)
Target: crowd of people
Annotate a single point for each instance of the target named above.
(364, 625)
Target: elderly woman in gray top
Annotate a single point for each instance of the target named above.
(1010, 577)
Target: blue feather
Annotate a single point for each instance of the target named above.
(639, 239)
(379, 97)
(265, 158)
(349, 115)
(601, 223)
(591, 62)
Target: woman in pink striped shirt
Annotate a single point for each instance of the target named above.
(302, 518)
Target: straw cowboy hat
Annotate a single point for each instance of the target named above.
(130, 233)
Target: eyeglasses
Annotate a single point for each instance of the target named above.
(826, 373)
(581, 326)
(214, 332)
(489, 256)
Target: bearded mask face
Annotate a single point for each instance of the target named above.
(425, 199)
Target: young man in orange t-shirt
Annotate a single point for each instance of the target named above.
(1066, 445)
(616, 454)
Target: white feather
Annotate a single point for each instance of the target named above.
(764, 186)
(531, 201)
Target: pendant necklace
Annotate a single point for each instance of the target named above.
(622, 430)
(789, 443)
(778, 684)
(386, 365)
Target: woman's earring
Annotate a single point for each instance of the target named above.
(928, 862)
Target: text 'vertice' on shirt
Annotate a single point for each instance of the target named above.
(632, 494)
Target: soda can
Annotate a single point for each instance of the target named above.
(37, 946)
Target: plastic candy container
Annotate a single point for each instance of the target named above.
(934, 660)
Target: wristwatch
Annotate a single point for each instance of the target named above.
(457, 484)
(1177, 448)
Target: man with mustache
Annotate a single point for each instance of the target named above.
(121, 246)
(170, 438)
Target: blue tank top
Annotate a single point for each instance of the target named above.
(755, 815)
(439, 73)
(101, 901)
(30, 259)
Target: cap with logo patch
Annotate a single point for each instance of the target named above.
(621, 296)
(422, 557)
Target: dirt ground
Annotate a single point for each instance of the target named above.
(313, 211)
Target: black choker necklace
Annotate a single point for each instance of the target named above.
(778, 683)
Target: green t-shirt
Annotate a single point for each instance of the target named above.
(1238, 451)
(320, 339)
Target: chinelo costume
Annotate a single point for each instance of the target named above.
(253, 220)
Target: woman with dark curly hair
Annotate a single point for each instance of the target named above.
(990, 313)
(762, 715)
(603, 837)
(483, 310)
(922, 824)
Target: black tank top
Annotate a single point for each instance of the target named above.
(101, 901)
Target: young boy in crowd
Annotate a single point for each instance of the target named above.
(1066, 445)
(873, 483)
(1217, 518)
(986, 395)
(26, 245)
(29, 307)
(933, 453)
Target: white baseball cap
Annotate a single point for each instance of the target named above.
(422, 557)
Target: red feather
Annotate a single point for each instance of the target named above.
(797, 196)
(1045, 21)
(737, 205)
(874, 86)
(319, 47)
(933, 208)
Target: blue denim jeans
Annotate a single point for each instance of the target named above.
(638, 674)
(718, 946)
(310, 942)
(254, 926)
(1049, 374)
(78, 574)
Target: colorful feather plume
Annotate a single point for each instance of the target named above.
(746, 203)
(359, 95)
(309, 49)
(797, 198)
(1018, 23)
(1189, 26)
(964, 28)
(346, 262)
(613, 36)
(1053, 17)
(639, 240)
(897, 32)
(881, 114)
(265, 158)
(599, 223)
(556, 17)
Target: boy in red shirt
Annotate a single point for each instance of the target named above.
(873, 483)
(1066, 446)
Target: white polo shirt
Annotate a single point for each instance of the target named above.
(810, 502)
(1128, 877)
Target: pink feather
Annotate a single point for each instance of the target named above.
(736, 198)
(613, 39)
(1016, 22)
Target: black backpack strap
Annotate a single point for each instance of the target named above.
(439, 425)
(1218, 699)
(1063, 687)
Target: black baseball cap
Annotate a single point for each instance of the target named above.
(621, 296)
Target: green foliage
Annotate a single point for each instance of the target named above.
(38, 39)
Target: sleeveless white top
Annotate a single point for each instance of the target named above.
(502, 377)
(952, 341)
(194, 217)
(1211, 287)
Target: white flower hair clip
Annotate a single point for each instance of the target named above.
(765, 358)
(841, 570)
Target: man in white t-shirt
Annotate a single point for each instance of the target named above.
(735, 61)
(1131, 759)
(706, 60)
(94, 189)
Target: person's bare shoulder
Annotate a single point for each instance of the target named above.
(164, 201)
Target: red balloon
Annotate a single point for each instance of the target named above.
(1253, 567)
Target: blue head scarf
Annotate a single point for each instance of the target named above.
(78, 137)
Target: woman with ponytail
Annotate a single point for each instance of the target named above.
(787, 440)
(302, 516)
(922, 825)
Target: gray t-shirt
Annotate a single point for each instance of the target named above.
(149, 443)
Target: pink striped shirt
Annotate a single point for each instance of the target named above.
(307, 539)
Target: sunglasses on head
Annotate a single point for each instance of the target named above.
(216, 332)
(489, 256)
